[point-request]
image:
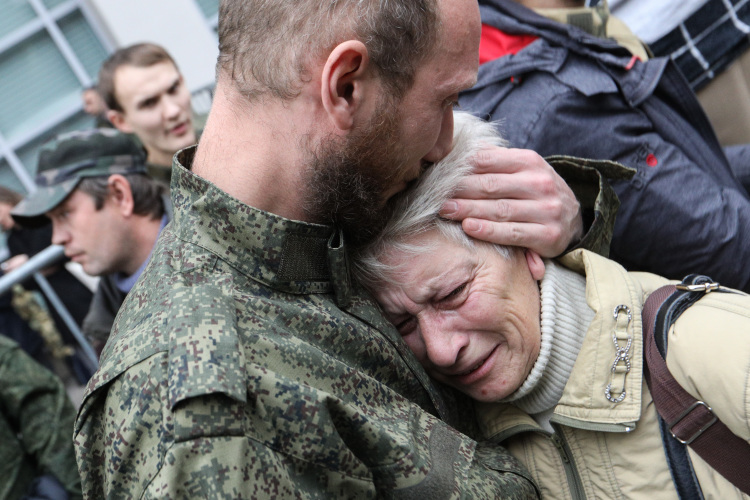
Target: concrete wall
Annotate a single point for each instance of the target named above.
(177, 25)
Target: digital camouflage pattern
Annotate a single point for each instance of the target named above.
(73, 156)
(246, 364)
(36, 422)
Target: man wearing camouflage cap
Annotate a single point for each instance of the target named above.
(105, 211)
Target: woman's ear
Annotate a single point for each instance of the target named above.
(536, 264)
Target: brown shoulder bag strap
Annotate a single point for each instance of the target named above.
(690, 421)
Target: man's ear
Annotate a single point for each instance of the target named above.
(121, 194)
(346, 75)
(117, 118)
(536, 264)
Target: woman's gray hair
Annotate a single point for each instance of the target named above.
(416, 210)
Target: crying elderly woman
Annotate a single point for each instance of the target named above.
(552, 351)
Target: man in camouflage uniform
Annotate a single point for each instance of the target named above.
(105, 211)
(246, 363)
(36, 419)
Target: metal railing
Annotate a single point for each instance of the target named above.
(47, 257)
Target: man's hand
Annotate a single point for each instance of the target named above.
(515, 198)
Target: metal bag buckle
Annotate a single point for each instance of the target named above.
(685, 414)
(703, 287)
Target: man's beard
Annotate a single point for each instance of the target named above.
(346, 179)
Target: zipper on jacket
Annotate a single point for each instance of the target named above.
(592, 426)
(571, 473)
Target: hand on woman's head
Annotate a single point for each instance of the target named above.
(469, 310)
(513, 197)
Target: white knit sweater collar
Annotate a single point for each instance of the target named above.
(565, 317)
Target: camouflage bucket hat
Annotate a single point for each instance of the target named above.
(70, 157)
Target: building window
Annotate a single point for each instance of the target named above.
(50, 50)
(210, 9)
(48, 54)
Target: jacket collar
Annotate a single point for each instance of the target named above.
(608, 287)
(555, 53)
(583, 403)
(312, 258)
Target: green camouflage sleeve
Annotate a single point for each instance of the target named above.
(219, 467)
(221, 447)
(599, 203)
(34, 401)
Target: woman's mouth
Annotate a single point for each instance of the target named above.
(478, 370)
(470, 370)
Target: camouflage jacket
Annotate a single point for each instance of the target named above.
(36, 420)
(599, 203)
(246, 364)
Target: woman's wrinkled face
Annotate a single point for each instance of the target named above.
(470, 316)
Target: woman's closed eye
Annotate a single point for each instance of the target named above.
(407, 326)
(454, 295)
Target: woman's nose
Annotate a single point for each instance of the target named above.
(442, 345)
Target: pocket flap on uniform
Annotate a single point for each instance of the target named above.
(205, 356)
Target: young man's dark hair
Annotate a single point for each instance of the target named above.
(148, 195)
(140, 55)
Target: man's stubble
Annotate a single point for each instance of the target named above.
(346, 179)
